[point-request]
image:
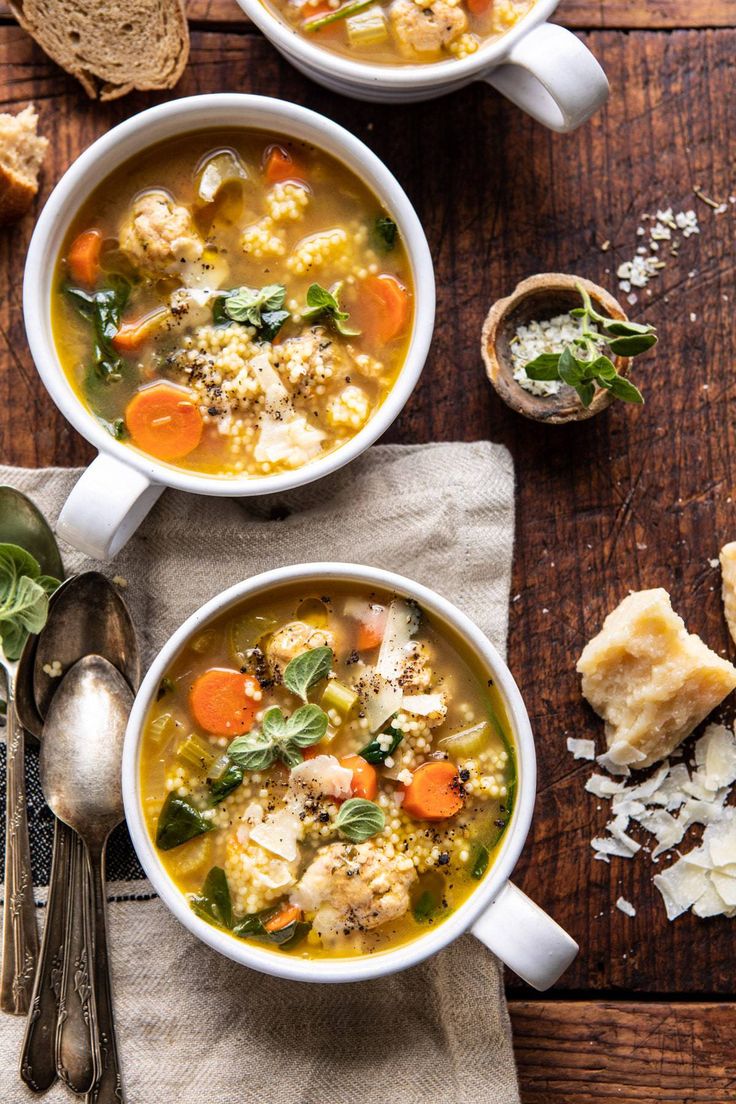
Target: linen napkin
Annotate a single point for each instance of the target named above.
(194, 1027)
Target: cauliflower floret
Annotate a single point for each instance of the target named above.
(159, 235)
(353, 888)
(425, 30)
(292, 640)
(287, 440)
(349, 409)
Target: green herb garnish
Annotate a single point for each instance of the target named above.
(319, 21)
(479, 861)
(257, 307)
(374, 753)
(24, 598)
(384, 234)
(359, 819)
(213, 903)
(591, 369)
(427, 907)
(307, 669)
(280, 737)
(223, 786)
(104, 309)
(325, 305)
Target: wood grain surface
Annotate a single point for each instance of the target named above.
(634, 498)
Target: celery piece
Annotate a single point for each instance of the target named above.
(204, 642)
(320, 21)
(337, 695)
(245, 633)
(161, 727)
(469, 741)
(367, 28)
(195, 752)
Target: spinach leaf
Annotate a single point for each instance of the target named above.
(24, 598)
(479, 861)
(307, 669)
(426, 908)
(374, 753)
(384, 234)
(228, 781)
(104, 309)
(179, 821)
(213, 902)
(324, 305)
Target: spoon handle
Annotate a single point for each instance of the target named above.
(109, 1088)
(20, 934)
(37, 1060)
(77, 1046)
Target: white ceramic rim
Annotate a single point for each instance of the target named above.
(179, 117)
(384, 962)
(395, 77)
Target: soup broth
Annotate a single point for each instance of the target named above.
(402, 32)
(233, 303)
(327, 771)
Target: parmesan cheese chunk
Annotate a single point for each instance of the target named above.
(650, 680)
(728, 585)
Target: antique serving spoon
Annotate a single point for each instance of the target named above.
(63, 640)
(81, 752)
(22, 524)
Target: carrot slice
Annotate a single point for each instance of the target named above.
(84, 258)
(287, 914)
(164, 421)
(371, 629)
(389, 300)
(365, 780)
(477, 7)
(281, 166)
(132, 335)
(222, 701)
(435, 791)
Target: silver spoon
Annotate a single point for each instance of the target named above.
(86, 602)
(81, 753)
(20, 523)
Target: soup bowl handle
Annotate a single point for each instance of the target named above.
(525, 938)
(552, 76)
(106, 506)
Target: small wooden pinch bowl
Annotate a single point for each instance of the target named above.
(535, 300)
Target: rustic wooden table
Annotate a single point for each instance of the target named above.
(638, 497)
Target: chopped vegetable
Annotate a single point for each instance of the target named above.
(435, 791)
(223, 701)
(83, 259)
(365, 780)
(213, 903)
(351, 8)
(384, 233)
(281, 166)
(371, 628)
(179, 822)
(196, 752)
(245, 633)
(358, 820)
(219, 170)
(162, 727)
(367, 28)
(223, 777)
(131, 335)
(103, 308)
(164, 421)
(379, 750)
(338, 696)
(24, 598)
(287, 914)
(389, 303)
(280, 738)
(468, 741)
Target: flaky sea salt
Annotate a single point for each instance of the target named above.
(549, 335)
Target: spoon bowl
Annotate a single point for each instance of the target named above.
(22, 523)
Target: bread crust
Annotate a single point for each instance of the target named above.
(16, 196)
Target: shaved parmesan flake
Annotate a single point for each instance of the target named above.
(715, 755)
(612, 847)
(600, 786)
(608, 764)
(279, 833)
(725, 886)
(681, 886)
(581, 749)
(625, 906)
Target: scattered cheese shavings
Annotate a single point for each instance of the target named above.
(601, 786)
(625, 906)
(715, 754)
(581, 749)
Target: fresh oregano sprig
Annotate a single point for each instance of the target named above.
(584, 367)
(323, 305)
(359, 819)
(307, 669)
(280, 737)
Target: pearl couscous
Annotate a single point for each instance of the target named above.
(327, 772)
(233, 305)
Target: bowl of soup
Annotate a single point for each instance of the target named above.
(402, 50)
(225, 294)
(329, 775)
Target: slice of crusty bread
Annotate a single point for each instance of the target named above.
(111, 46)
(22, 151)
